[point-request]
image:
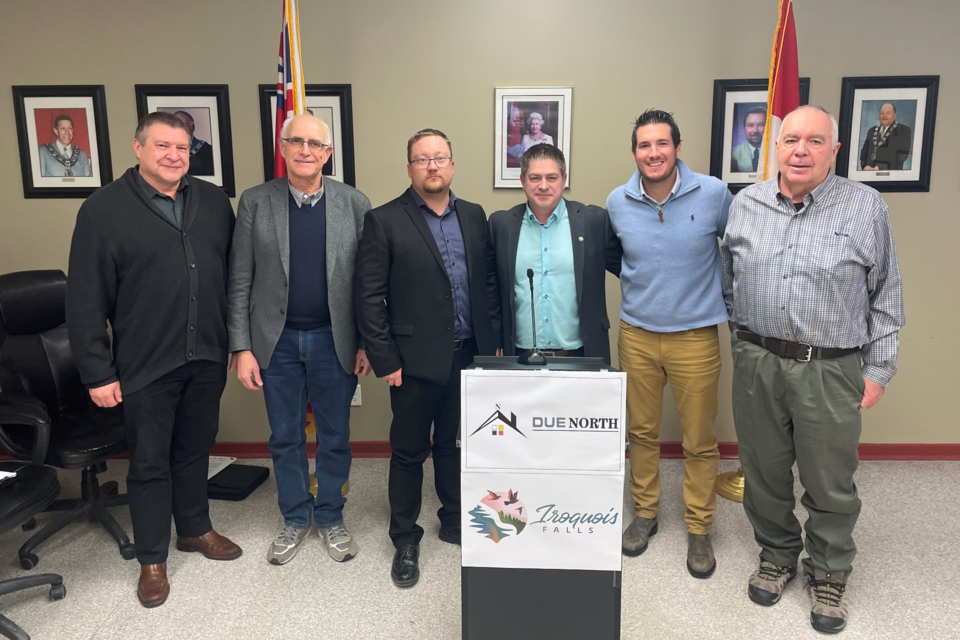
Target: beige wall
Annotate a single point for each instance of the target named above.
(416, 64)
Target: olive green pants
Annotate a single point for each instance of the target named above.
(809, 412)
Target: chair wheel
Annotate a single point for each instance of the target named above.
(58, 591)
(128, 552)
(29, 525)
(29, 561)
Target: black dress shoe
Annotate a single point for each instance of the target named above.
(450, 534)
(406, 565)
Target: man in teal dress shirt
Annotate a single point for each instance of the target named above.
(569, 246)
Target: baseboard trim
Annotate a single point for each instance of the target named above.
(728, 450)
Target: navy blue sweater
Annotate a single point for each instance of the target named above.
(307, 306)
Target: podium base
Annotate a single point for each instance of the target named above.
(540, 603)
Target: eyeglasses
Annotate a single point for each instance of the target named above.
(315, 145)
(424, 163)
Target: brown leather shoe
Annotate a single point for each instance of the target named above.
(212, 545)
(153, 588)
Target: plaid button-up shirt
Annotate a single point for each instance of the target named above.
(826, 275)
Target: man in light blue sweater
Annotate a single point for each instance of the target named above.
(669, 220)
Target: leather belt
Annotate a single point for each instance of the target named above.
(800, 351)
(568, 353)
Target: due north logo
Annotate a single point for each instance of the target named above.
(561, 423)
(496, 423)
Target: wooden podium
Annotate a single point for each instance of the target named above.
(542, 466)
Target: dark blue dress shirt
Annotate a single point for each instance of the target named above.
(446, 231)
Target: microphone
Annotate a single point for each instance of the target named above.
(533, 357)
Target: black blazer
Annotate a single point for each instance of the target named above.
(399, 263)
(892, 154)
(596, 249)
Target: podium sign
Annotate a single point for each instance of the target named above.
(542, 466)
(542, 469)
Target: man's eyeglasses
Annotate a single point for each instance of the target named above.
(315, 145)
(424, 163)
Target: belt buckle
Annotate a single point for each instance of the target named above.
(809, 352)
(457, 345)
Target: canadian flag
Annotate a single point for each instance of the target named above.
(784, 88)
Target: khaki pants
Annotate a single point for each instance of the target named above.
(690, 360)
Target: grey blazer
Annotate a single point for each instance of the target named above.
(260, 268)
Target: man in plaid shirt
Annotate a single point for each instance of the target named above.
(812, 285)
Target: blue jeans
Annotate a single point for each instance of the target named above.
(306, 361)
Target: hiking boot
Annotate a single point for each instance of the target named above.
(283, 549)
(701, 563)
(767, 583)
(636, 536)
(828, 611)
(339, 542)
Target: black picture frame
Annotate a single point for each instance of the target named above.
(91, 100)
(343, 94)
(209, 97)
(720, 155)
(856, 142)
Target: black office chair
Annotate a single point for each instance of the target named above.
(40, 388)
(34, 488)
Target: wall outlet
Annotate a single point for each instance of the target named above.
(355, 402)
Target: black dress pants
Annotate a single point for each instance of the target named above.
(171, 425)
(416, 405)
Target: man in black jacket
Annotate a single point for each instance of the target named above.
(569, 247)
(149, 255)
(426, 255)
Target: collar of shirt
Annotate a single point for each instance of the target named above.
(814, 196)
(425, 208)
(152, 192)
(556, 216)
(302, 198)
(673, 191)
(65, 151)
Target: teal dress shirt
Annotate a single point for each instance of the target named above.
(548, 250)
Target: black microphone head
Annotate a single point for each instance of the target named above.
(530, 273)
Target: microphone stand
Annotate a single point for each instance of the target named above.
(533, 357)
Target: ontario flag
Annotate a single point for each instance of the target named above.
(291, 97)
(784, 93)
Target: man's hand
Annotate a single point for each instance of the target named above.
(362, 367)
(871, 168)
(395, 379)
(107, 396)
(248, 371)
(872, 393)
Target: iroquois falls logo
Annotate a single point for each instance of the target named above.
(499, 515)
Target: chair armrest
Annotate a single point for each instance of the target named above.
(16, 409)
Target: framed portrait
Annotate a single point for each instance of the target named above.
(331, 103)
(886, 131)
(64, 143)
(205, 109)
(739, 122)
(524, 117)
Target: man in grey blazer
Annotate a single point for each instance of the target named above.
(569, 246)
(293, 332)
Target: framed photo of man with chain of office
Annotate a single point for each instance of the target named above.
(524, 117)
(205, 109)
(886, 131)
(739, 125)
(63, 139)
